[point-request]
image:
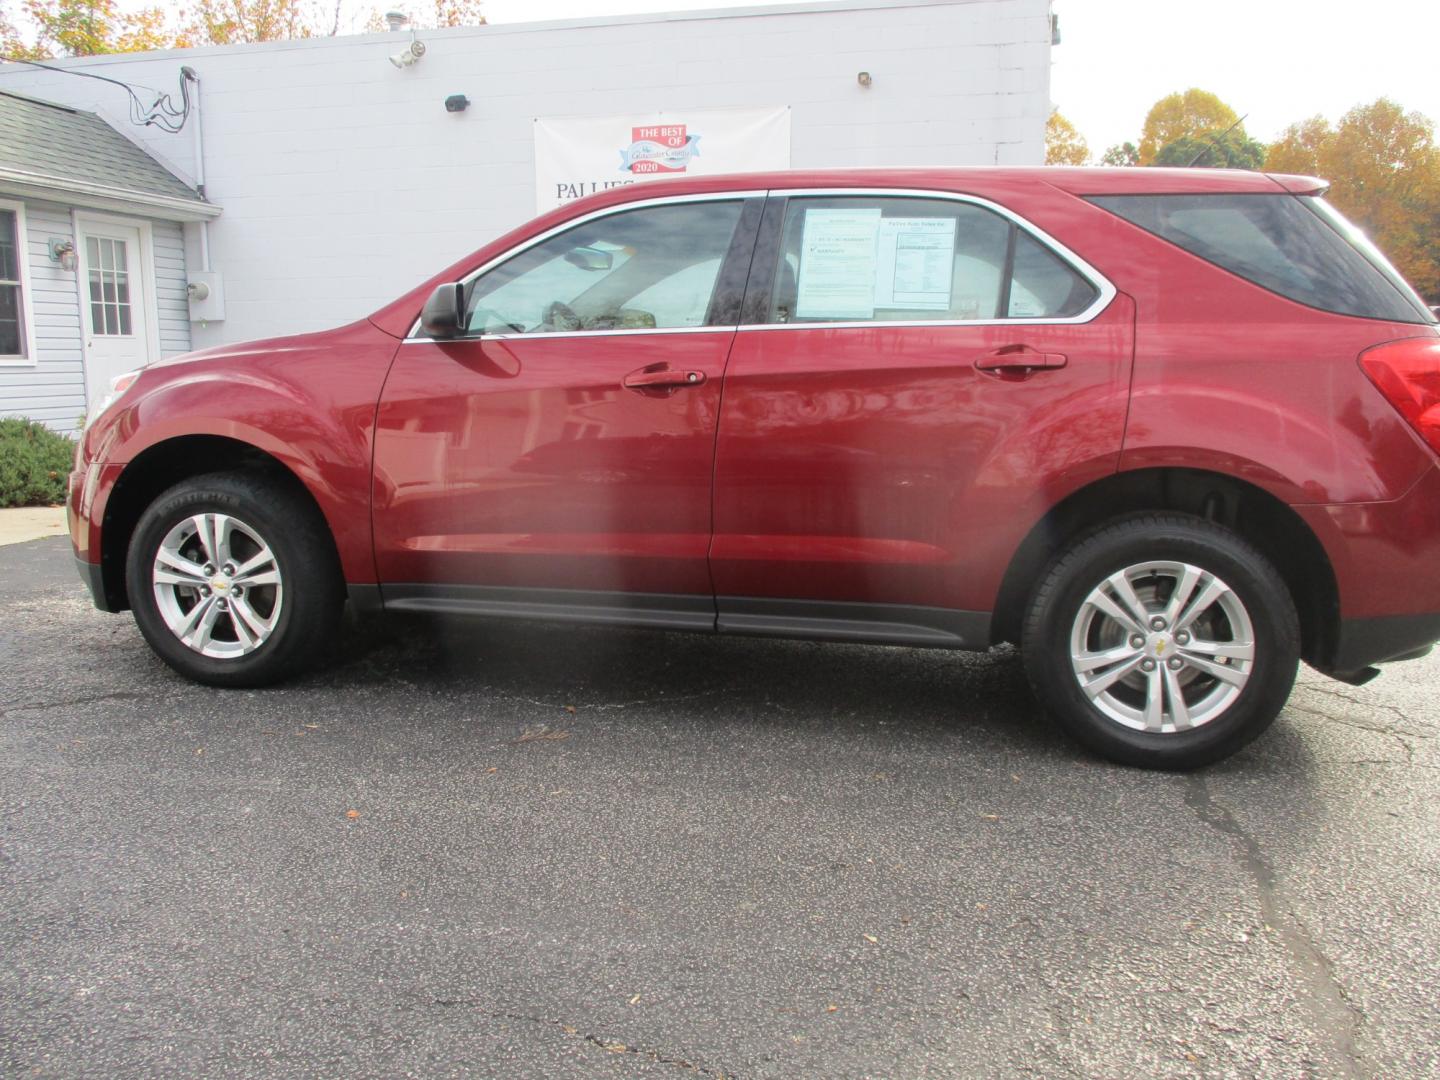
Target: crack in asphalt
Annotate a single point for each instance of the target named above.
(602, 706)
(47, 706)
(612, 1046)
(1325, 691)
(1389, 733)
(1337, 1020)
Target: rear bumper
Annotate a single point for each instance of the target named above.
(1363, 642)
(1384, 556)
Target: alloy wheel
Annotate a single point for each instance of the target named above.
(1162, 647)
(217, 585)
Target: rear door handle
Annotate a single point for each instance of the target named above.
(1019, 360)
(662, 378)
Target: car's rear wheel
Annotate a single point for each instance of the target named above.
(1163, 640)
(232, 579)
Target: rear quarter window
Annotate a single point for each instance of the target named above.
(1278, 242)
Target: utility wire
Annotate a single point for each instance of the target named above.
(161, 113)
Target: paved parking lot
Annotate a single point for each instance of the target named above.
(529, 852)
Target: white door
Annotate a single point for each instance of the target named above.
(115, 307)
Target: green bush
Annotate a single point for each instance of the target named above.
(33, 464)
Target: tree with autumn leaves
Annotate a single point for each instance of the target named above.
(1383, 164)
(1064, 145)
(81, 28)
(95, 27)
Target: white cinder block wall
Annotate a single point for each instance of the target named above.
(344, 181)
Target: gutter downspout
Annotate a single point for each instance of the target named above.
(189, 74)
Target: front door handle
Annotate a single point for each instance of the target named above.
(657, 377)
(1019, 360)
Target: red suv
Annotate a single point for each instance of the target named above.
(1170, 431)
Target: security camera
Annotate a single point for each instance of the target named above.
(408, 55)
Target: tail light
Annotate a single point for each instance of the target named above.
(1408, 374)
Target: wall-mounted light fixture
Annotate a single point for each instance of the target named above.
(397, 21)
(63, 252)
(408, 55)
(457, 103)
(864, 79)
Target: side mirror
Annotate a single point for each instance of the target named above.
(444, 313)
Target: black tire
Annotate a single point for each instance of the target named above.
(1057, 619)
(304, 555)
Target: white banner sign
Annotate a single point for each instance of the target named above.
(580, 155)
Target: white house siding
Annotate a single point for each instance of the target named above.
(344, 181)
(171, 303)
(53, 389)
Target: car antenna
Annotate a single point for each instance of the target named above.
(1206, 149)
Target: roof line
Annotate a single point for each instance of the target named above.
(538, 26)
(192, 209)
(41, 101)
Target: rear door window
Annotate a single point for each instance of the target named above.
(910, 259)
(1279, 242)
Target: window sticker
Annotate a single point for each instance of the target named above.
(837, 264)
(916, 263)
(1023, 303)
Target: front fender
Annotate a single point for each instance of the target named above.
(309, 403)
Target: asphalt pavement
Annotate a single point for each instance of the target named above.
(490, 850)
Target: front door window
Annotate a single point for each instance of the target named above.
(654, 268)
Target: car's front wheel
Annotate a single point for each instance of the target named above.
(1162, 640)
(232, 579)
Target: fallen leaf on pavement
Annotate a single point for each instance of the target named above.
(352, 814)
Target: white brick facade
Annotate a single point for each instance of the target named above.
(344, 181)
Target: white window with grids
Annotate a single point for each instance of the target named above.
(16, 340)
(109, 273)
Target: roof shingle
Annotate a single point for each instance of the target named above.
(50, 140)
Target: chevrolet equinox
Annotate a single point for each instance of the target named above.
(1169, 431)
